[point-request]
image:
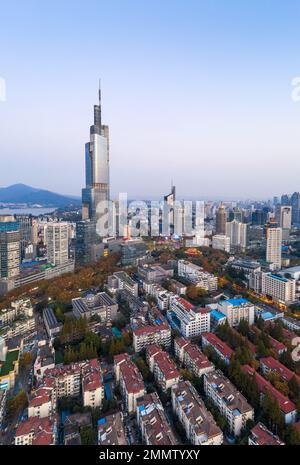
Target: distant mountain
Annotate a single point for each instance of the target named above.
(20, 193)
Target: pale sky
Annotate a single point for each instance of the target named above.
(197, 91)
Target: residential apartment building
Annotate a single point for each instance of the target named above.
(190, 321)
(130, 381)
(36, 432)
(287, 407)
(164, 370)
(91, 384)
(237, 233)
(221, 242)
(198, 423)
(152, 334)
(280, 289)
(228, 400)
(220, 347)
(197, 276)
(153, 423)
(261, 436)
(58, 242)
(111, 430)
(191, 357)
(270, 365)
(274, 244)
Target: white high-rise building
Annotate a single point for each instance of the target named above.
(58, 242)
(286, 217)
(274, 243)
(237, 232)
(279, 288)
(221, 242)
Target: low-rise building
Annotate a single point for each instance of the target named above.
(164, 370)
(152, 334)
(236, 310)
(198, 423)
(220, 347)
(121, 280)
(197, 276)
(3, 394)
(261, 436)
(45, 360)
(92, 386)
(36, 432)
(291, 323)
(191, 357)
(52, 325)
(228, 400)
(271, 365)
(152, 421)
(287, 407)
(130, 380)
(111, 431)
(100, 304)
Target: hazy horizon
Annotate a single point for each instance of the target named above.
(195, 92)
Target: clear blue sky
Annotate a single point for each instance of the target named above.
(198, 91)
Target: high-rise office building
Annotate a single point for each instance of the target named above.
(58, 242)
(28, 232)
(221, 218)
(88, 245)
(236, 215)
(285, 200)
(95, 191)
(170, 213)
(295, 203)
(274, 244)
(96, 167)
(9, 249)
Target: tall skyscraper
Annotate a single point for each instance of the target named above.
(274, 244)
(96, 166)
(9, 249)
(58, 242)
(237, 232)
(221, 217)
(170, 200)
(96, 189)
(295, 203)
(283, 216)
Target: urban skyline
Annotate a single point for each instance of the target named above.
(175, 111)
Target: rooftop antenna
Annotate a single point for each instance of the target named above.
(99, 92)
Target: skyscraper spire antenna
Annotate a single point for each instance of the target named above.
(99, 92)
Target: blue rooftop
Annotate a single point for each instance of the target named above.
(101, 421)
(216, 315)
(267, 315)
(279, 278)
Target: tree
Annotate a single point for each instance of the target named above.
(16, 404)
(26, 360)
(292, 436)
(88, 436)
